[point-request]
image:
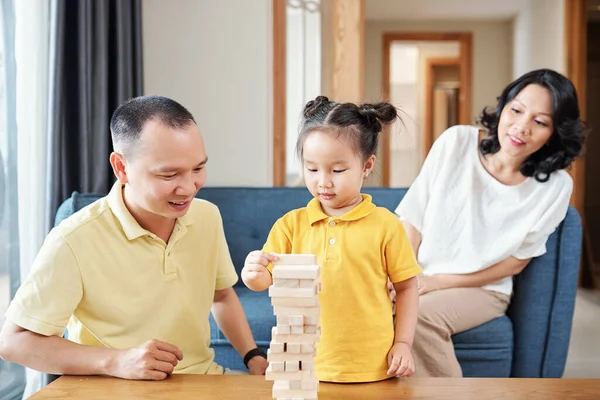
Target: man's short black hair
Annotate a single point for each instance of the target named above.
(129, 118)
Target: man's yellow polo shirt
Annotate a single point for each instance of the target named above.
(357, 252)
(117, 285)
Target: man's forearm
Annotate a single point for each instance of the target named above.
(56, 355)
(505, 268)
(229, 315)
(407, 311)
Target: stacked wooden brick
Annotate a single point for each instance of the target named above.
(294, 296)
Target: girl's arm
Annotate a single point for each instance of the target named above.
(407, 300)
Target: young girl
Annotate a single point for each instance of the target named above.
(358, 246)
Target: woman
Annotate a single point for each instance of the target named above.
(484, 205)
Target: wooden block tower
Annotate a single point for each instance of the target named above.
(294, 296)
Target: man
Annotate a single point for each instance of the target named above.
(134, 275)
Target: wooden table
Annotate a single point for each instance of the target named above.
(244, 387)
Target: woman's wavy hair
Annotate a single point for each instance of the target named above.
(566, 142)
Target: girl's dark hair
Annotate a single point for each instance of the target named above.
(360, 123)
(566, 142)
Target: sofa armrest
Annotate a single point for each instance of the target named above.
(543, 303)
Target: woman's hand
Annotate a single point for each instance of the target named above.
(426, 284)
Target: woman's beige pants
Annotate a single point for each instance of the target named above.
(443, 313)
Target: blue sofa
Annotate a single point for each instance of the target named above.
(530, 341)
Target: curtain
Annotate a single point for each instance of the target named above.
(32, 27)
(12, 376)
(96, 61)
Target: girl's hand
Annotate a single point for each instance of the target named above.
(400, 360)
(392, 294)
(426, 284)
(255, 273)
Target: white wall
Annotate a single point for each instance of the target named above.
(214, 57)
(539, 37)
(492, 60)
(492, 54)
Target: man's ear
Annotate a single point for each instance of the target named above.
(118, 164)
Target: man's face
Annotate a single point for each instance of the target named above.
(165, 170)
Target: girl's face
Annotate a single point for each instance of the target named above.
(333, 171)
(526, 123)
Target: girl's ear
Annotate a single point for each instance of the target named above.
(369, 164)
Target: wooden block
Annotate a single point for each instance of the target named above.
(308, 365)
(296, 272)
(295, 385)
(297, 330)
(311, 314)
(293, 366)
(281, 384)
(308, 329)
(277, 366)
(294, 348)
(296, 259)
(306, 348)
(308, 283)
(294, 394)
(275, 357)
(296, 320)
(291, 292)
(295, 301)
(277, 347)
(273, 375)
(304, 338)
(283, 330)
(286, 283)
(308, 384)
(283, 320)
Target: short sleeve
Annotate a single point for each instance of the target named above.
(279, 240)
(51, 292)
(414, 203)
(226, 274)
(534, 244)
(399, 257)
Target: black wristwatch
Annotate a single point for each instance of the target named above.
(253, 353)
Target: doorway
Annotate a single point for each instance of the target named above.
(429, 74)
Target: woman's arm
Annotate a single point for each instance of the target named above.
(508, 267)
(414, 237)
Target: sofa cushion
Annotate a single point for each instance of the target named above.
(487, 349)
(259, 312)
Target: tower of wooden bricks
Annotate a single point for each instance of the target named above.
(294, 296)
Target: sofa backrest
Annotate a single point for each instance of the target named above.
(248, 213)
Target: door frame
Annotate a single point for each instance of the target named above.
(430, 65)
(575, 38)
(465, 40)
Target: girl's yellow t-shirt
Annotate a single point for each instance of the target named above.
(356, 252)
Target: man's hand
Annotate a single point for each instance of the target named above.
(153, 360)
(426, 284)
(400, 360)
(255, 273)
(257, 365)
